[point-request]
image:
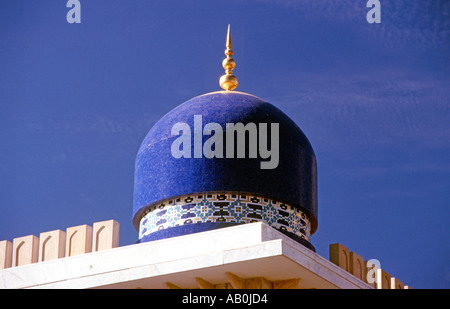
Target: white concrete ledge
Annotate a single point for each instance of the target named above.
(249, 250)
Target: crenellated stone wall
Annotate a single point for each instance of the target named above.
(366, 270)
(59, 244)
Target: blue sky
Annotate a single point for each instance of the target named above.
(76, 100)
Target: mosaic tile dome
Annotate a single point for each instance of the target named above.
(175, 196)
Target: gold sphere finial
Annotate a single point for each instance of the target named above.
(228, 81)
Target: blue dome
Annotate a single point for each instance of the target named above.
(191, 186)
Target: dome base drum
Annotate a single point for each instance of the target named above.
(201, 212)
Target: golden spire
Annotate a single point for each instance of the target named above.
(228, 81)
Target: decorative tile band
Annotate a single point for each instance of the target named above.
(224, 207)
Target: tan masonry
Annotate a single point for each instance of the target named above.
(59, 244)
(362, 269)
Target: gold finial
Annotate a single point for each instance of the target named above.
(228, 81)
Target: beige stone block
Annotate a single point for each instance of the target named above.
(286, 284)
(78, 240)
(370, 274)
(52, 245)
(340, 256)
(235, 281)
(203, 284)
(172, 286)
(250, 283)
(258, 283)
(397, 284)
(357, 267)
(384, 280)
(25, 250)
(5, 254)
(105, 235)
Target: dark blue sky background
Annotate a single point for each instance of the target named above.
(76, 100)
